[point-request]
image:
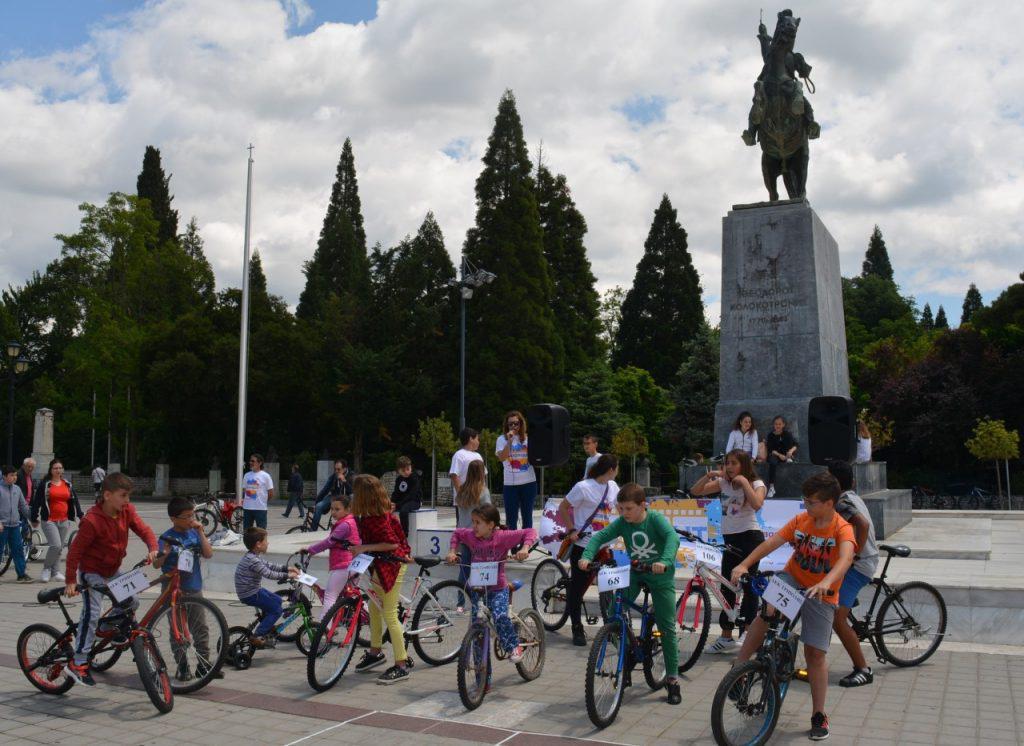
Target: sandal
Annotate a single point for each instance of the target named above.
(859, 677)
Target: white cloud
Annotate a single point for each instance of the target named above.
(920, 103)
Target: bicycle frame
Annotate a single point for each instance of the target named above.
(620, 614)
(865, 627)
(708, 577)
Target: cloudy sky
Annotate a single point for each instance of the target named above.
(920, 104)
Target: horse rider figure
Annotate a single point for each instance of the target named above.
(792, 90)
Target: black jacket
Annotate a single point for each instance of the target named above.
(295, 483)
(407, 490)
(23, 483)
(40, 505)
(334, 486)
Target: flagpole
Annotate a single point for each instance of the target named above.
(243, 342)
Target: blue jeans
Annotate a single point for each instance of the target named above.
(519, 501)
(321, 507)
(250, 517)
(270, 604)
(11, 538)
(294, 500)
(498, 603)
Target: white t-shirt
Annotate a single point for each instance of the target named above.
(867, 557)
(517, 466)
(584, 498)
(745, 441)
(257, 485)
(461, 461)
(737, 514)
(863, 450)
(98, 475)
(591, 460)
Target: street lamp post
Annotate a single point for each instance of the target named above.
(470, 279)
(16, 365)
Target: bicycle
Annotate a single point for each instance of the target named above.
(549, 592)
(28, 547)
(44, 652)
(753, 691)
(435, 628)
(616, 650)
(220, 510)
(912, 615)
(307, 523)
(474, 669)
(693, 609)
(171, 620)
(923, 498)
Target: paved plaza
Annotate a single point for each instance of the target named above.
(965, 694)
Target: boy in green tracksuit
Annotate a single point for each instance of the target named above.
(650, 539)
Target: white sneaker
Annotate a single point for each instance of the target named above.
(45, 576)
(59, 577)
(723, 645)
(771, 491)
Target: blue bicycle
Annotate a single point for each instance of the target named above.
(616, 651)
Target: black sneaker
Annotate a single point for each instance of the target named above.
(819, 727)
(393, 675)
(674, 697)
(80, 673)
(579, 637)
(24, 578)
(184, 672)
(370, 660)
(859, 677)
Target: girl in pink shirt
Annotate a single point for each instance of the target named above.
(344, 534)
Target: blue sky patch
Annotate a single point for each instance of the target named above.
(620, 158)
(459, 149)
(644, 110)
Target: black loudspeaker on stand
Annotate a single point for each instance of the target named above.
(548, 434)
(831, 429)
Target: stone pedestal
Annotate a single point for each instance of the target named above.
(214, 481)
(783, 336)
(42, 442)
(273, 468)
(113, 467)
(324, 470)
(162, 481)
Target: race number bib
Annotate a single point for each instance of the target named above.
(360, 564)
(186, 561)
(783, 597)
(130, 584)
(483, 574)
(708, 555)
(306, 579)
(612, 578)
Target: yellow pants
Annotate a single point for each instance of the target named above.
(388, 614)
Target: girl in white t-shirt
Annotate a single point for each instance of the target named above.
(587, 509)
(743, 435)
(742, 494)
(863, 443)
(257, 489)
(519, 490)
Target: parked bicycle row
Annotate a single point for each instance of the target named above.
(181, 643)
(965, 497)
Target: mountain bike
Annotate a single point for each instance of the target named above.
(617, 649)
(911, 620)
(307, 522)
(474, 669)
(44, 652)
(549, 592)
(435, 628)
(220, 510)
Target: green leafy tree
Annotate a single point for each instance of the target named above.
(154, 186)
(927, 321)
(941, 322)
(192, 244)
(575, 300)
(630, 443)
(644, 405)
(690, 427)
(972, 304)
(876, 259)
(663, 309)
(1003, 320)
(508, 240)
(991, 441)
(610, 315)
(434, 436)
(593, 407)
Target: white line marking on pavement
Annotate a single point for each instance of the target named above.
(330, 728)
(505, 739)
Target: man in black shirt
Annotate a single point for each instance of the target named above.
(407, 495)
(781, 446)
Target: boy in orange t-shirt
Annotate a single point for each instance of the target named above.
(823, 547)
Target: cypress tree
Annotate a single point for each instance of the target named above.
(876, 259)
(941, 322)
(339, 264)
(927, 322)
(192, 244)
(155, 187)
(575, 302)
(664, 308)
(515, 354)
(972, 304)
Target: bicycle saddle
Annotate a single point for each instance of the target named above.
(427, 562)
(49, 595)
(900, 550)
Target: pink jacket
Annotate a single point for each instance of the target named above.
(493, 549)
(344, 530)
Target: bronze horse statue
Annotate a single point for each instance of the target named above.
(781, 118)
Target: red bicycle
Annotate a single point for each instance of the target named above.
(219, 510)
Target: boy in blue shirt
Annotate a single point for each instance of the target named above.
(188, 532)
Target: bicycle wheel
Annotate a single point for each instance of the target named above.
(530, 628)
(35, 553)
(746, 706)
(441, 620)
(104, 655)
(153, 673)
(237, 519)
(193, 635)
(42, 657)
(549, 589)
(5, 557)
(911, 624)
(968, 502)
(474, 667)
(240, 648)
(603, 688)
(301, 528)
(332, 646)
(654, 661)
(293, 615)
(693, 620)
(208, 519)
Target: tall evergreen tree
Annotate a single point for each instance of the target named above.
(515, 353)
(927, 322)
(339, 264)
(192, 244)
(664, 308)
(154, 186)
(691, 425)
(575, 300)
(941, 322)
(972, 304)
(876, 259)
